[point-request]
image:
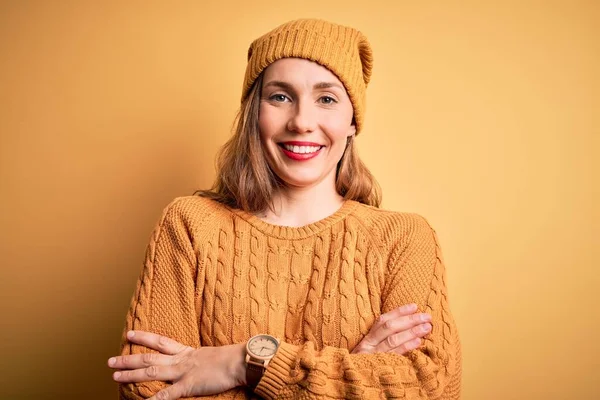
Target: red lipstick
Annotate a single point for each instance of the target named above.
(300, 156)
(297, 143)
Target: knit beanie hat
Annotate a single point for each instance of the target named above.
(341, 49)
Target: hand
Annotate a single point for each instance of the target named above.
(194, 372)
(398, 331)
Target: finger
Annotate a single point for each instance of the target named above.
(407, 346)
(370, 339)
(401, 311)
(390, 327)
(398, 340)
(157, 342)
(136, 361)
(396, 313)
(152, 373)
(172, 392)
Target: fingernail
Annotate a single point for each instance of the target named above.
(112, 361)
(425, 317)
(117, 375)
(426, 327)
(130, 334)
(409, 307)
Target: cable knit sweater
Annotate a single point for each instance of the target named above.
(214, 276)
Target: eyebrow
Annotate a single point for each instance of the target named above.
(287, 86)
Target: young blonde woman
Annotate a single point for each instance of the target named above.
(286, 280)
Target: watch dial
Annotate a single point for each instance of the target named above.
(263, 346)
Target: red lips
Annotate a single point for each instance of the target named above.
(297, 156)
(296, 143)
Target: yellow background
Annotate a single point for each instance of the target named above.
(482, 116)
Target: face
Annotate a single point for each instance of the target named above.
(305, 119)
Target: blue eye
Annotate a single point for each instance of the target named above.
(280, 98)
(330, 100)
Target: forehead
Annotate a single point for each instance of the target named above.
(299, 71)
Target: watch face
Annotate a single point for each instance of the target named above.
(263, 346)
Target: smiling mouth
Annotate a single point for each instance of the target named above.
(300, 149)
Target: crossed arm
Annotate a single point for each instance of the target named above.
(403, 356)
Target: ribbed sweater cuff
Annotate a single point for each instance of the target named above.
(278, 372)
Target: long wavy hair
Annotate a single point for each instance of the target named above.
(245, 180)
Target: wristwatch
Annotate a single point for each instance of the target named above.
(260, 349)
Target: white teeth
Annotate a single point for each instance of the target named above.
(301, 149)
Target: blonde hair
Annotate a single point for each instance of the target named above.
(245, 181)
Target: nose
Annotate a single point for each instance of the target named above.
(303, 118)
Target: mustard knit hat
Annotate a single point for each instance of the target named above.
(341, 49)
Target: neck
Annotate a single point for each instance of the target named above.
(302, 206)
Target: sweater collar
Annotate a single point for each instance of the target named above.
(301, 232)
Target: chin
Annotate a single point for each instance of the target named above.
(300, 183)
(297, 180)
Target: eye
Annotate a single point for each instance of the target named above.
(327, 100)
(279, 98)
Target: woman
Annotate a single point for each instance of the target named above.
(286, 280)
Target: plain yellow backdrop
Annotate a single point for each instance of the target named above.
(481, 116)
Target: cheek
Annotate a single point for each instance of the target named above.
(268, 122)
(338, 129)
(339, 121)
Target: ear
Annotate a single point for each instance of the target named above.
(352, 131)
(351, 136)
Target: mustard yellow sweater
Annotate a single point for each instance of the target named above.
(214, 276)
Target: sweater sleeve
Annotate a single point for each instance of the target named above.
(415, 272)
(164, 298)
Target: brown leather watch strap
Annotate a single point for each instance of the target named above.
(254, 373)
